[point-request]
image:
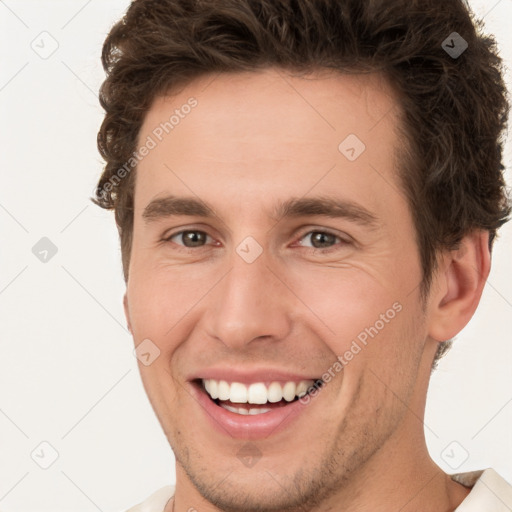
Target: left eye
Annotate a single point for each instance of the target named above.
(190, 238)
(320, 239)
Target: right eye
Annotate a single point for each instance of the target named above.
(189, 238)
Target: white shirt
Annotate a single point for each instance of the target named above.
(489, 493)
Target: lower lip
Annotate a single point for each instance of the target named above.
(256, 426)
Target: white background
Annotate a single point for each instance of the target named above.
(67, 372)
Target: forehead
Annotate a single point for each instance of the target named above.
(244, 132)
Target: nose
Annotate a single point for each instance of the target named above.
(250, 303)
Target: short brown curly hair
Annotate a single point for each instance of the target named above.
(454, 107)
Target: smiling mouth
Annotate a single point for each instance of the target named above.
(258, 397)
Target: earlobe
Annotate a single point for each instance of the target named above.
(127, 313)
(460, 281)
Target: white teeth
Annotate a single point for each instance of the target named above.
(302, 388)
(212, 387)
(223, 390)
(289, 391)
(245, 412)
(238, 393)
(275, 392)
(237, 410)
(263, 410)
(256, 393)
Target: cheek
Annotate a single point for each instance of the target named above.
(160, 299)
(347, 305)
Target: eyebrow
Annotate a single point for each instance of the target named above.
(326, 207)
(169, 206)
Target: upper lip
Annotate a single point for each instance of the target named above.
(250, 376)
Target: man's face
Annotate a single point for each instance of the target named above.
(258, 294)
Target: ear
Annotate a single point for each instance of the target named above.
(127, 313)
(458, 285)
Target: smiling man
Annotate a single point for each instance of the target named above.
(307, 194)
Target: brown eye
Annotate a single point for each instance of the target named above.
(320, 239)
(189, 238)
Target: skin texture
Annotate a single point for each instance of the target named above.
(253, 140)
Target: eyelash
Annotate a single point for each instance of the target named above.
(314, 249)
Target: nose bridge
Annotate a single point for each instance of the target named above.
(248, 303)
